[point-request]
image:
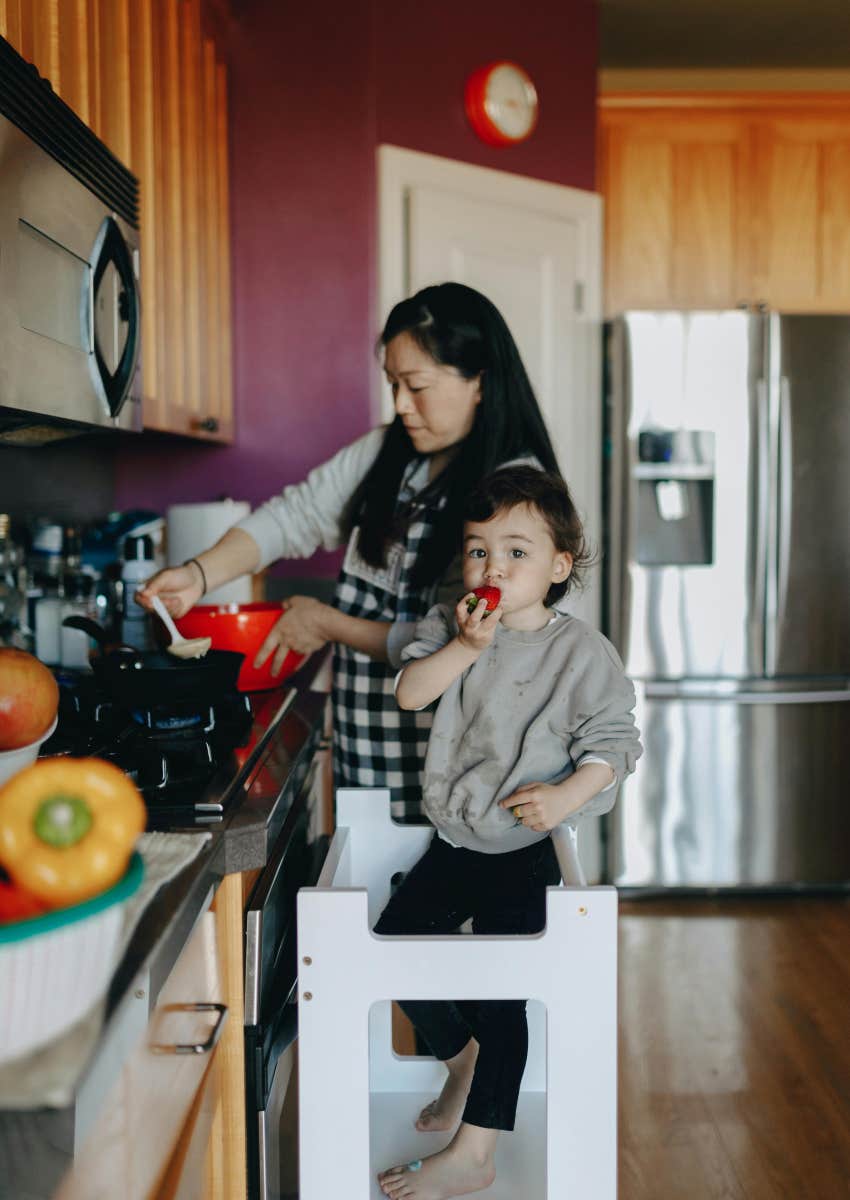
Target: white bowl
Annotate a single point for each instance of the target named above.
(12, 761)
(55, 967)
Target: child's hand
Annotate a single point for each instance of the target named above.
(539, 806)
(476, 629)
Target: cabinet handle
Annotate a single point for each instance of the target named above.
(193, 1047)
(206, 424)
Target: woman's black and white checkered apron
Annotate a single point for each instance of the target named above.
(377, 744)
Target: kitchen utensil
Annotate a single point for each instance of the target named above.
(241, 627)
(180, 647)
(146, 678)
(43, 991)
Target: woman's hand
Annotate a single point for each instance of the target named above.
(302, 626)
(179, 588)
(476, 629)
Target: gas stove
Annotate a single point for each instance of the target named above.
(184, 758)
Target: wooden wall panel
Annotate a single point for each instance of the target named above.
(114, 73)
(143, 160)
(10, 22)
(93, 56)
(170, 282)
(44, 16)
(191, 158)
(211, 316)
(74, 66)
(221, 337)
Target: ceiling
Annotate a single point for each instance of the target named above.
(724, 33)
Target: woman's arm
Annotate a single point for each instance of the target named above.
(359, 633)
(234, 554)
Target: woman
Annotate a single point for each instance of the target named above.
(463, 406)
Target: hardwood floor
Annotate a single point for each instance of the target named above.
(734, 1052)
(735, 1049)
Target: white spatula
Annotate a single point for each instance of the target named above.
(180, 647)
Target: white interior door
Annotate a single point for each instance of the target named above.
(534, 249)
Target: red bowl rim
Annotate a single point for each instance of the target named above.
(233, 610)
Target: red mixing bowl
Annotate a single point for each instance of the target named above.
(241, 627)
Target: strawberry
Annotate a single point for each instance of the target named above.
(490, 595)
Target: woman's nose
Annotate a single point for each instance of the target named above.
(403, 402)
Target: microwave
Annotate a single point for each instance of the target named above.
(70, 315)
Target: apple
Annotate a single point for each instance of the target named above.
(29, 698)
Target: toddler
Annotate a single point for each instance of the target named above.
(534, 724)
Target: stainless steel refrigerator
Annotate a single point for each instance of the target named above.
(728, 596)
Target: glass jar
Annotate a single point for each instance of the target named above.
(47, 621)
(13, 600)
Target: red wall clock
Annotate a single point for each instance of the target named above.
(501, 103)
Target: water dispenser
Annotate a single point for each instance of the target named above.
(674, 517)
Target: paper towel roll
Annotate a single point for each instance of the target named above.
(193, 528)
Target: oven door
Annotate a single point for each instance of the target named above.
(271, 970)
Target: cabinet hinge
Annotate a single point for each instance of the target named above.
(578, 296)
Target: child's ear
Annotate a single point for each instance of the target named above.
(562, 566)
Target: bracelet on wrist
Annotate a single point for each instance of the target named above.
(201, 569)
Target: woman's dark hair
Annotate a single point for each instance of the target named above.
(550, 496)
(460, 328)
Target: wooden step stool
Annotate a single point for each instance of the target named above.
(358, 1099)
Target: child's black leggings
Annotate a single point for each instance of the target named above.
(503, 893)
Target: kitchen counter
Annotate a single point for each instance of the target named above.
(36, 1146)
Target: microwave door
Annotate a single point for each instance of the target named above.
(114, 317)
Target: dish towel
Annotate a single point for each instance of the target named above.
(47, 1077)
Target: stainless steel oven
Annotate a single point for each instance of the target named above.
(271, 968)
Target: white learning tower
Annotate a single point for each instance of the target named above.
(358, 1099)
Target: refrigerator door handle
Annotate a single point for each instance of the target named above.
(760, 516)
(784, 484)
(720, 692)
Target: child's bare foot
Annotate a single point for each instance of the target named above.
(443, 1114)
(464, 1166)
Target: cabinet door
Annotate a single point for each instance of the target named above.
(673, 185)
(800, 197)
(130, 1146)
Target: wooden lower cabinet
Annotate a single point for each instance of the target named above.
(173, 1126)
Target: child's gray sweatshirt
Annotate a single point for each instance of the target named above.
(528, 710)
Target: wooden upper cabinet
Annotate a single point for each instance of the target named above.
(716, 201)
(801, 188)
(147, 78)
(673, 186)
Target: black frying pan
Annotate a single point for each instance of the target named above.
(144, 678)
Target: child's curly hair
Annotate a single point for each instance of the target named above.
(549, 495)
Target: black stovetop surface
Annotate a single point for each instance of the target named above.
(188, 761)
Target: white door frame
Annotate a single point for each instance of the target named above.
(400, 171)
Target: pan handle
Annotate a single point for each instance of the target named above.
(87, 625)
(100, 635)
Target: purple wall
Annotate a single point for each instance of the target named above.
(311, 96)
